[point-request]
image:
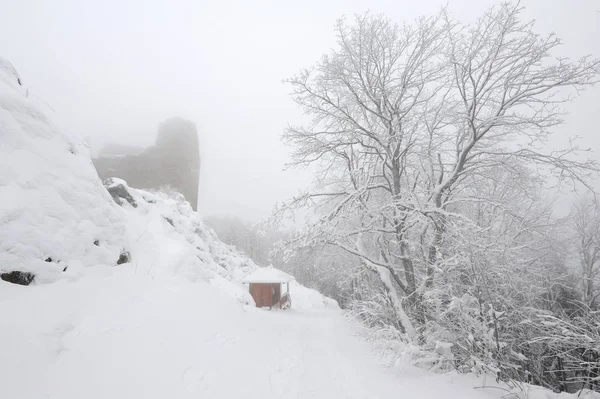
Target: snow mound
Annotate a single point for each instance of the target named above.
(55, 215)
(307, 298)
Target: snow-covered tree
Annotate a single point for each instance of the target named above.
(408, 118)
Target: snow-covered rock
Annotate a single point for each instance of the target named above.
(119, 191)
(307, 298)
(9, 73)
(53, 206)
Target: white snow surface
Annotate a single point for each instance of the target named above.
(268, 275)
(174, 322)
(120, 333)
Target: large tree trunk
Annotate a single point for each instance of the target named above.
(390, 289)
(433, 249)
(385, 277)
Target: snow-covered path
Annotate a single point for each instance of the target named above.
(120, 335)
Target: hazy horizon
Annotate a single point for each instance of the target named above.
(113, 72)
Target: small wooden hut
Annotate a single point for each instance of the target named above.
(266, 286)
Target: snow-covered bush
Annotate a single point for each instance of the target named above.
(568, 351)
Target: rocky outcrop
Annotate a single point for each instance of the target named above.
(118, 190)
(18, 277)
(173, 161)
(124, 257)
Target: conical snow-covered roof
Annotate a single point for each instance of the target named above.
(268, 275)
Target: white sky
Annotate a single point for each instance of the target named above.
(114, 69)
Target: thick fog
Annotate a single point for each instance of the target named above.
(442, 240)
(114, 70)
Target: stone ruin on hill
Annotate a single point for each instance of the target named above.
(173, 161)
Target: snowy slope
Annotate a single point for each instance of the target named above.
(53, 205)
(170, 239)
